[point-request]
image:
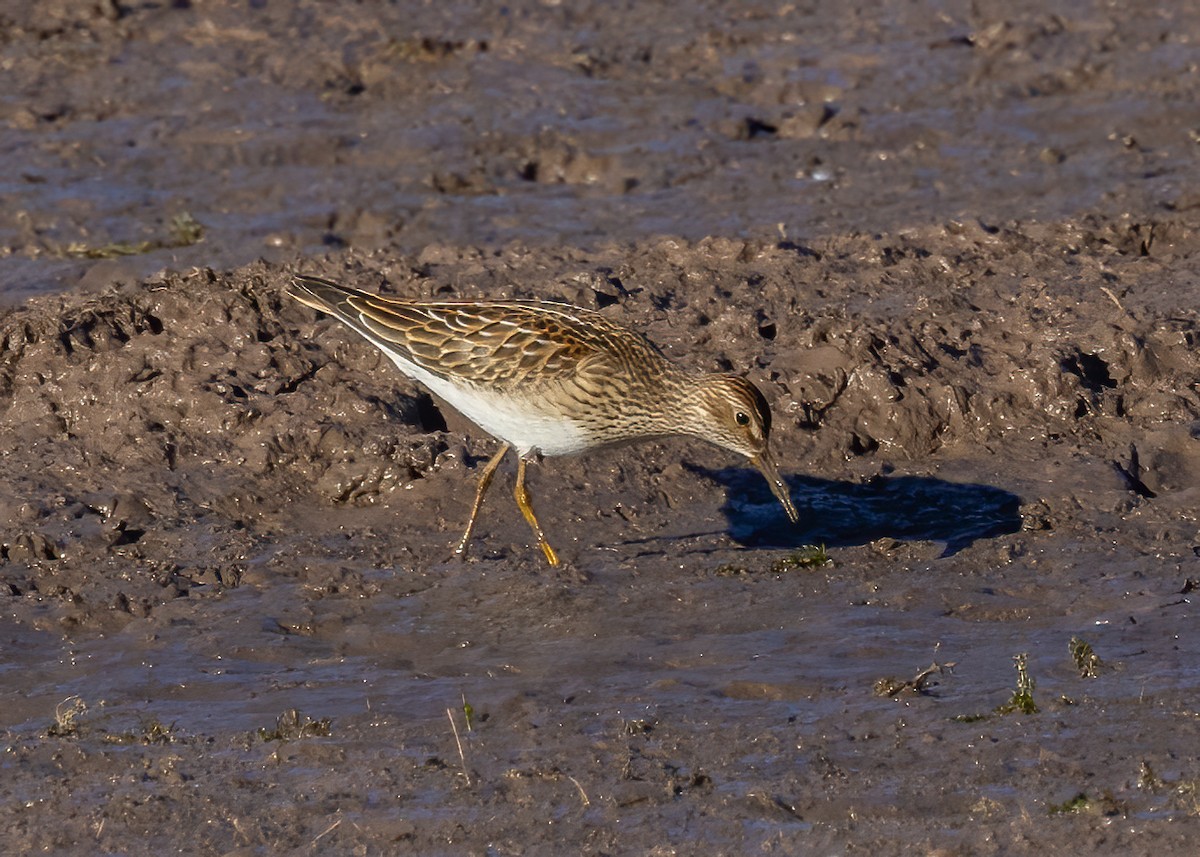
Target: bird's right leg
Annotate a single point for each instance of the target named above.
(485, 479)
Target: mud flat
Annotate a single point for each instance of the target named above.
(960, 256)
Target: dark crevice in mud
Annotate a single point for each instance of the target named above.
(290, 383)
(800, 250)
(126, 535)
(1130, 472)
(429, 415)
(401, 409)
(1091, 369)
(860, 445)
(753, 128)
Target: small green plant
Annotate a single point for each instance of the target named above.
(66, 715)
(971, 718)
(921, 683)
(153, 732)
(468, 712)
(1103, 804)
(1188, 792)
(292, 725)
(80, 250)
(1022, 698)
(185, 230)
(1079, 803)
(1148, 779)
(808, 556)
(640, 727)
(1086, 661)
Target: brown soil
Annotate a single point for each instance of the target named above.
(960, 254)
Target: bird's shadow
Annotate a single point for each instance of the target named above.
(909, 508)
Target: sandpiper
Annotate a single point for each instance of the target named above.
(550, 378)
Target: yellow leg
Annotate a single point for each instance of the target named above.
(526, 506)
(485, 479)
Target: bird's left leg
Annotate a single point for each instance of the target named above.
(526, 506)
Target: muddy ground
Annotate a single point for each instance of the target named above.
(958, 249)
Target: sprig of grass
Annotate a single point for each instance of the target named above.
(1086, 660)
(462, 757)
(292, 725)
(1020, 702)
(66, 715)
(922, 682)
(808, 556)
(1079, 803)
(153, 732)
(1022, 698)
(468, 712)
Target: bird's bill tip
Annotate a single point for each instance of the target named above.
(766, 466)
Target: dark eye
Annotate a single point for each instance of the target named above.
(741, 418)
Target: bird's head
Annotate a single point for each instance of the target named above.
(732, 413)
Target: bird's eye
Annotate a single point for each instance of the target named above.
(741, 418)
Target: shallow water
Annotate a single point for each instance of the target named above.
(550, 135)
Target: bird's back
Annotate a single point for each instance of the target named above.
(501, 344)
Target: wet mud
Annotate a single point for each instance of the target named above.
(959, 255)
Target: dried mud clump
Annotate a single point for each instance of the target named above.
(174, 434)
(153, 434)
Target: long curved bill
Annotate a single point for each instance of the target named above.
(766, 466)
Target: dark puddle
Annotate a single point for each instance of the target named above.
(841, 514)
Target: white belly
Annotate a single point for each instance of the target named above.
(526, 427)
